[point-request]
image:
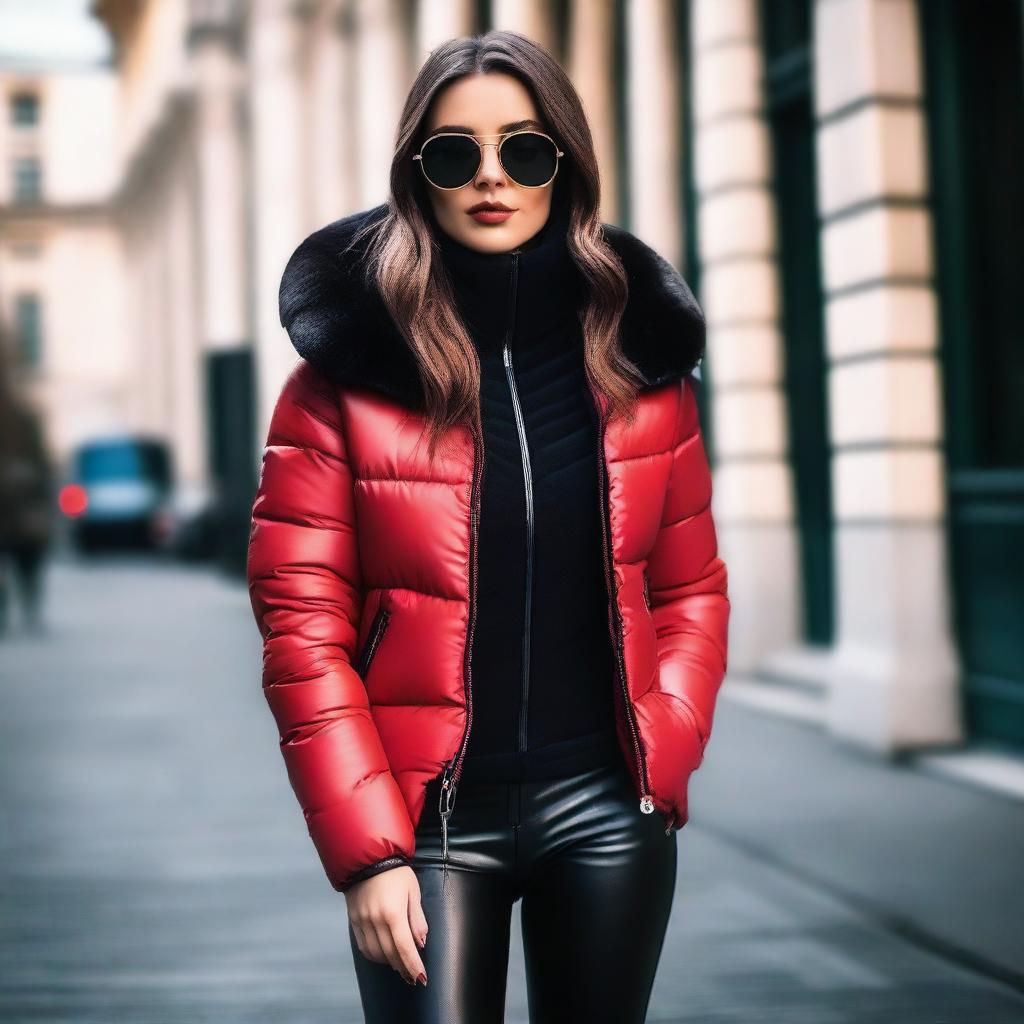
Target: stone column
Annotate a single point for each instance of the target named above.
(188, 422)
(224, 389)
(653, 144)
(894, 680)
(278, 199)
(220, 168)
(753, 500)
(533, 18)
(348, 108)
(328, 128)
(384, 79)
(591, 48)
(440, 20)
(137, 293)
(151, 373)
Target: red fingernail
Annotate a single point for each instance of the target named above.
(422, 977)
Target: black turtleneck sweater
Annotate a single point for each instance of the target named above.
(542, 660)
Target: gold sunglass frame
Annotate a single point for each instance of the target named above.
(502, 139)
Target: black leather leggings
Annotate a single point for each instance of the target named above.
(596, 877)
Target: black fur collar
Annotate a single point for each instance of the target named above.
(341, 326)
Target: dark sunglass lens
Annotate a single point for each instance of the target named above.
(529, 158)
(450, 161)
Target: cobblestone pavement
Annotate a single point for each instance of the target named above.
(154, 866)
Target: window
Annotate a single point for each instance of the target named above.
(28, 329)
(28, 175)
(24, 108)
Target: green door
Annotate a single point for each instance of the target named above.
(976, 150)
(787, 47)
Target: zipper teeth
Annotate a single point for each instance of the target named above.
(528, 490)
(455, 767)
(616, 625)
(527, 479)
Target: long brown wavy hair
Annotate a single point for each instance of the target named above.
(405, 262)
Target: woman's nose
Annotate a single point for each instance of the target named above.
(490, 165)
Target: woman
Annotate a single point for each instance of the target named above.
(483, 562)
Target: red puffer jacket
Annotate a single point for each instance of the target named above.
(362, 560)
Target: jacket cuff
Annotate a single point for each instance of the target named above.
(397, 861)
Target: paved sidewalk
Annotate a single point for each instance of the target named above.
(154, 867)
(932, 858)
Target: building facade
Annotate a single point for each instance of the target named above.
(61, 280)
(839, 181)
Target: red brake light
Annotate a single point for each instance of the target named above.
(73, 499)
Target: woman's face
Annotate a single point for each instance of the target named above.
(486, 105)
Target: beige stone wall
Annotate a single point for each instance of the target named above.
(753, 500)
(889, 683)
(894, 679)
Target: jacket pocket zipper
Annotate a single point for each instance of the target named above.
(380, 623)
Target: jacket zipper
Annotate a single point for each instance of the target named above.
(453, 767)
(528, 488)
(615, 623)
(380, 622)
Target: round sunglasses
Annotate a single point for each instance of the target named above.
(451, 160)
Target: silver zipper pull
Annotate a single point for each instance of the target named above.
(444, 835)
(445, 805)
(646, 804)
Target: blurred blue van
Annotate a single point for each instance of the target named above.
(116, 492)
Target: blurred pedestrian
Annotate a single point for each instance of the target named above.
(26, 507)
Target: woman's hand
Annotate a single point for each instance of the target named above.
(388, 921)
